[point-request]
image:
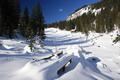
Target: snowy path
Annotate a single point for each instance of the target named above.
(94, 59)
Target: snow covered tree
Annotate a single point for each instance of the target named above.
(36, 43)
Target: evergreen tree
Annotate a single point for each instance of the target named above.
(10, 16)
(38, 20)
(25, 22)
(37, 23)
(25, 16)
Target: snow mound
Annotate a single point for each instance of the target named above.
(5, 47)
(27, 49)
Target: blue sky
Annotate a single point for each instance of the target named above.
(56, 10)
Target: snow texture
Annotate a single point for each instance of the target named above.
(96, 58)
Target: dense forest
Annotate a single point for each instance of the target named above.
(9, 15)
(13, 22)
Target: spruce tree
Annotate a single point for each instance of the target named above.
(38, 20)
(25, 16)
(25, 22)
(37, 23)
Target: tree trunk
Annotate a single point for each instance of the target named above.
(0, 21)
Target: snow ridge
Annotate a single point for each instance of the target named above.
(84, 10)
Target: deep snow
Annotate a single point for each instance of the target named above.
(96, 58)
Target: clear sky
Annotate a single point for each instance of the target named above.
(56, 10)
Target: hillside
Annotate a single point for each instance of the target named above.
(96, 8)
(103, 16)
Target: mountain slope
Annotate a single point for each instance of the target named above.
(95, 8)
(84, 10)
(103, 16)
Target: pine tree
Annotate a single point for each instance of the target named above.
(25, 16)
(37, 23)
(13, 16)
(25, 21)
(38, 20)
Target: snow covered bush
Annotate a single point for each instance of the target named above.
(35, 43)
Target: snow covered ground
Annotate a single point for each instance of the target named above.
(84, 10)
(94, 58)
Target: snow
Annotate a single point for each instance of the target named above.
(96, 58)
(27, 49)
(96, 11)
(84, 10)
